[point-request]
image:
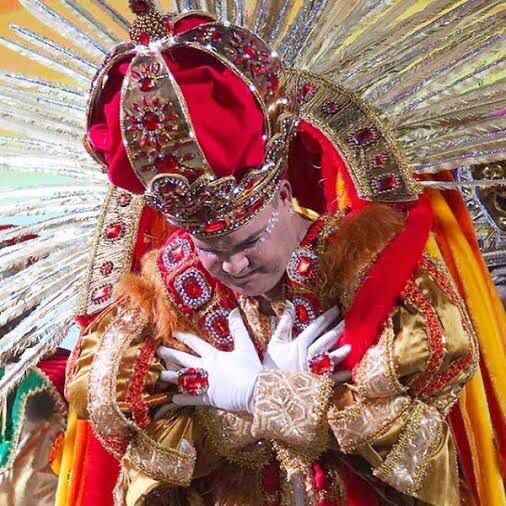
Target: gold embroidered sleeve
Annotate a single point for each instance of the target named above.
(174, 431)
(428, 345)
(291, 407)
(78, 368)
(169, 460)
(229, 435)
(393, 414)
(138, 373)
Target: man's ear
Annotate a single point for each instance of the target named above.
(285, 192)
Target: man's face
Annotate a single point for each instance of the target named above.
(252, 260)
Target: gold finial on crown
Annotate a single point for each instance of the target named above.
(149, 24)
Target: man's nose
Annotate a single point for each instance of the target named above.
(235, 264)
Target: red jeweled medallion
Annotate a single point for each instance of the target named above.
(106, 268)
(301, 267)
(321, 364)
(364, 137)
(305, 313)
(216, 323)
(192, 381)
(114, 231)
(192, 288)
(101, 294)
(176, 253)
(151, 121)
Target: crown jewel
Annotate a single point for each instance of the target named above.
(157, 130)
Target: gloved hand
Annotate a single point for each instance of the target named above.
(293, 355)
(232, 375)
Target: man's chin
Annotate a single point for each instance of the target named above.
(253, 288)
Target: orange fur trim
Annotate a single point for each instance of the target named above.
(350, 253)
(146, 293)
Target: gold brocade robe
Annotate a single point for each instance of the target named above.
(386, 428)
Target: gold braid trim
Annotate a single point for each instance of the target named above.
(229, 436)
(407, 464)
(363, 422)
(376, 374)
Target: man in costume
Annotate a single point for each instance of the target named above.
(242, 299)
(393, 92)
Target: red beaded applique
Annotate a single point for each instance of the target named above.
(434, 334)
(442, 380)
(134, 398)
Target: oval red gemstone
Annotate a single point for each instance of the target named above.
(220, 326)
(308, 90)
(364, 137)
(192, 288)
(386, 183)
(255, 206)
(106, 268)
(215, 226)
(101, 294)
(144, 38)
(114, 231)
(147, 84)
(124, 199)
(151, 121)
(167, 164)
(321, 364)
(193, 381)
(250, 51)
(302, 314)
(140, 7)
(379, 160)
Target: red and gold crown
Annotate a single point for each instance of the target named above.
(170, 108)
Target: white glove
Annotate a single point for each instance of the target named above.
(293, 355)
(232, 375)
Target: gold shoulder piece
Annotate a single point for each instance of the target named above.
(367, 143)
(112, 250)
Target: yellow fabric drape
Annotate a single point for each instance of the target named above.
(66, 462)
(488, 318)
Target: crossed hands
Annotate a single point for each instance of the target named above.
(232, 376)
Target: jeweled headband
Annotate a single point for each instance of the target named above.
(157, 130)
